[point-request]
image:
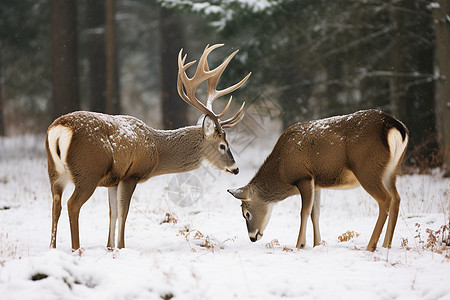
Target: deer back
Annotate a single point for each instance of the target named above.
(107, 148)
(332, 149)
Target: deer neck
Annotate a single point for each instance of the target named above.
(179, 150)
(268, 182)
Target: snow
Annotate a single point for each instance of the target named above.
(202, 251)
(223, 11)
(435, 5)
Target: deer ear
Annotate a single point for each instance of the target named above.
(208, 126)
(240, 193)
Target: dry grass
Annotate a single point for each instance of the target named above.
(169, 218)
(8, 249)
(200, 239)
(347, 236)
(436, 241)
(287, 249)
(274, 244)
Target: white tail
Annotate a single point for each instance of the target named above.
(364, 148)
(93, 149)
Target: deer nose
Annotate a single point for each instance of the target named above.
(233, 169)
(257, 237)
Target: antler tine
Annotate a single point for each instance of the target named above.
(233, 87)
(228, 90)
(214, 79)
(183, 78)
(195, 103)
(203, 62)
(190, 85)
(225, 109)
(182, 75)
(233, 121)
(213, 94)
(187, 86)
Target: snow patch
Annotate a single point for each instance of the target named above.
(217, 259)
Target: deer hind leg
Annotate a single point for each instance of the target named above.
(377, 190)
(80, 195)
(393, 213)
(124, 192)
(315, 214)
(57, 191)
(113, 212)
(306, 188)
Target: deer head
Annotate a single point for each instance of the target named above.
(216, 148)
(255, 211)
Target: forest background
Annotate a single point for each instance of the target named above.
(309, 59)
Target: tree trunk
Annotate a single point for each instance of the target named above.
(411, 96)
(2, 121)
(397, 66)
(96, 55)
(65, 96)
(330, 104)
(421, 92)
(442, 30)
(112, 70)
(174, 109)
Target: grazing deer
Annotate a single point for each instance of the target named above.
(364, 148)
(93, 149)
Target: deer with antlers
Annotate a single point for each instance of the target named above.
(93, 149)
(361, 149)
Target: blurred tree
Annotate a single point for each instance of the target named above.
(441, 13)
(318, 58)
(174, 111)
(96, 47)
(412, 79)
(139, 57)
(398, 64)
(112, 66)
(64, 57)
(323, 58)
(2, 121)
(25, 73)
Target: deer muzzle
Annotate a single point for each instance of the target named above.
(233, 169)
(256, 237)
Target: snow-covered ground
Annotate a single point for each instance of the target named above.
(200, 250)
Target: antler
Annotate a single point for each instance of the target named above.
(203, 73)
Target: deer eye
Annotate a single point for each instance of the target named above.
(248, 216)
(222, 147)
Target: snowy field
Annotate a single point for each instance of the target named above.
(200, 250)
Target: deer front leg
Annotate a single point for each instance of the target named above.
(124, 192)
(315, 214)
(306, 188)
(113, 212)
